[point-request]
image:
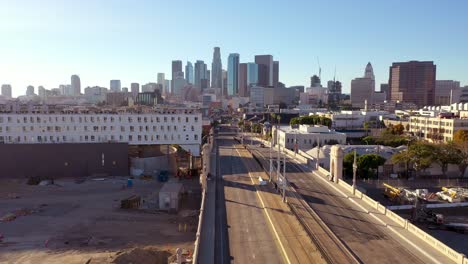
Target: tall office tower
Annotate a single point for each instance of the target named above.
(447, 92)
(252, 74)
(75, 85)
(265, 70)
(200, 74)
(115, 86)
(362, 89)
(369, 72)
(30, 90)
(179, 84)
(224, 88)
(162, 82)
(413, 82)
(189, 72)
(41, 91)
(124, 89)
(233, 74)
(334, 93)
(167, 86)
(216, 69)
(384, 88)
(176, 68)
(315, 81)
(275, 73)
(208, 77)
(6, 90)
(134, 88)
(242, 80)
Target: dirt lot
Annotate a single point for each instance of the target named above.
(76, 223)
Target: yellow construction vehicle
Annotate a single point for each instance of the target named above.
(392, 193)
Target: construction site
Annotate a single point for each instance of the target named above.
(149, 216)
(439, 208)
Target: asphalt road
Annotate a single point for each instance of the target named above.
(252, 224)
(366, 239)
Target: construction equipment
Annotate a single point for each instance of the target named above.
(423, 215)
(453, 195)
(132, 202)
(392, 193)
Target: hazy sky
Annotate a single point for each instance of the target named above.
(44, 42)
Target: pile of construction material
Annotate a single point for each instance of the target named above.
(453, 195)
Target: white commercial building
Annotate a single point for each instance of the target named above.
(315, 96)
(261, 96)
(353, 119)
(438, 128)
(307, 136)
(163, 126)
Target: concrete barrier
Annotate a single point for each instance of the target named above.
(441, 247)
(465, 260)
(382, 209)
(369, 201)
(400, 220)
(358, 194)
(323, 171)
(345, 185)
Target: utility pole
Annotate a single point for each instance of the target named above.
(354, 173)
(284, 178)
(318, 153)
(277, 142)
(295, 142)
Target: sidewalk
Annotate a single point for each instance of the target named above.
(207, 235)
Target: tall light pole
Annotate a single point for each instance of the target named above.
(277, 142)
(295, 142)
(354, 173)
(318, 153)
(284, 178)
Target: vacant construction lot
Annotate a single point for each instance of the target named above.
(71, 222)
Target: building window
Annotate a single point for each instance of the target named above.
(195, 119)
(195, 137)
(122, 129)
(130, 138)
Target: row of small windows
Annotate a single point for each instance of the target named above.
(104, 119)
(98, 128)
(86, 138)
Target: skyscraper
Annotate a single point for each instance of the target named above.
(134, 88)
(200, 74)
(413, 82)
(362, 89)
(334, 93)
(233, 74)
(75, 85)
(384, 88)
(176, 69)
(6, 90)
(252, 74)
(30, 90)
(216, 69)
(162, 82)
(189, 72)
(242, 80)
(265, 70)
(115, 86)
(275, 73)
(224, 88)
(315, 81)
(447, 92)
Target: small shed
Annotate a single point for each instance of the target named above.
(169, 196)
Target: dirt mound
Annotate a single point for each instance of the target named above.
(143, 256)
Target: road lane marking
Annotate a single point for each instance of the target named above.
(268, 215)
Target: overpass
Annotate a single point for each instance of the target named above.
(320, 223)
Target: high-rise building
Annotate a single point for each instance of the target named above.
(115, 86)
(334, 93)
(6, 90)
(265, 69)
(41, 91)
(315, 81)
(75, 85)
(30, 90)
(216, 69)
(201, 74)
(242, 80)
(413, 82)
(362, 89)
(224, 88)
(176, 69)
(179, 84)
(162, 82)
(384, 88)
(252, 74)
(447, 92)
(167, 86)
(134, 88)
(125, 89)
(275, 73)
(233, 74)
(189, 72)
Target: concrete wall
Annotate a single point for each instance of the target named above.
(63, 160)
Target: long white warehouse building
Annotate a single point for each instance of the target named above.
(158, 127)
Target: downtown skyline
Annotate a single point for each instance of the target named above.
(49, 50)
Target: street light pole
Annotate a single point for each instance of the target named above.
(318, 153)
(354, 173)
(295, 142)
(284, 178)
